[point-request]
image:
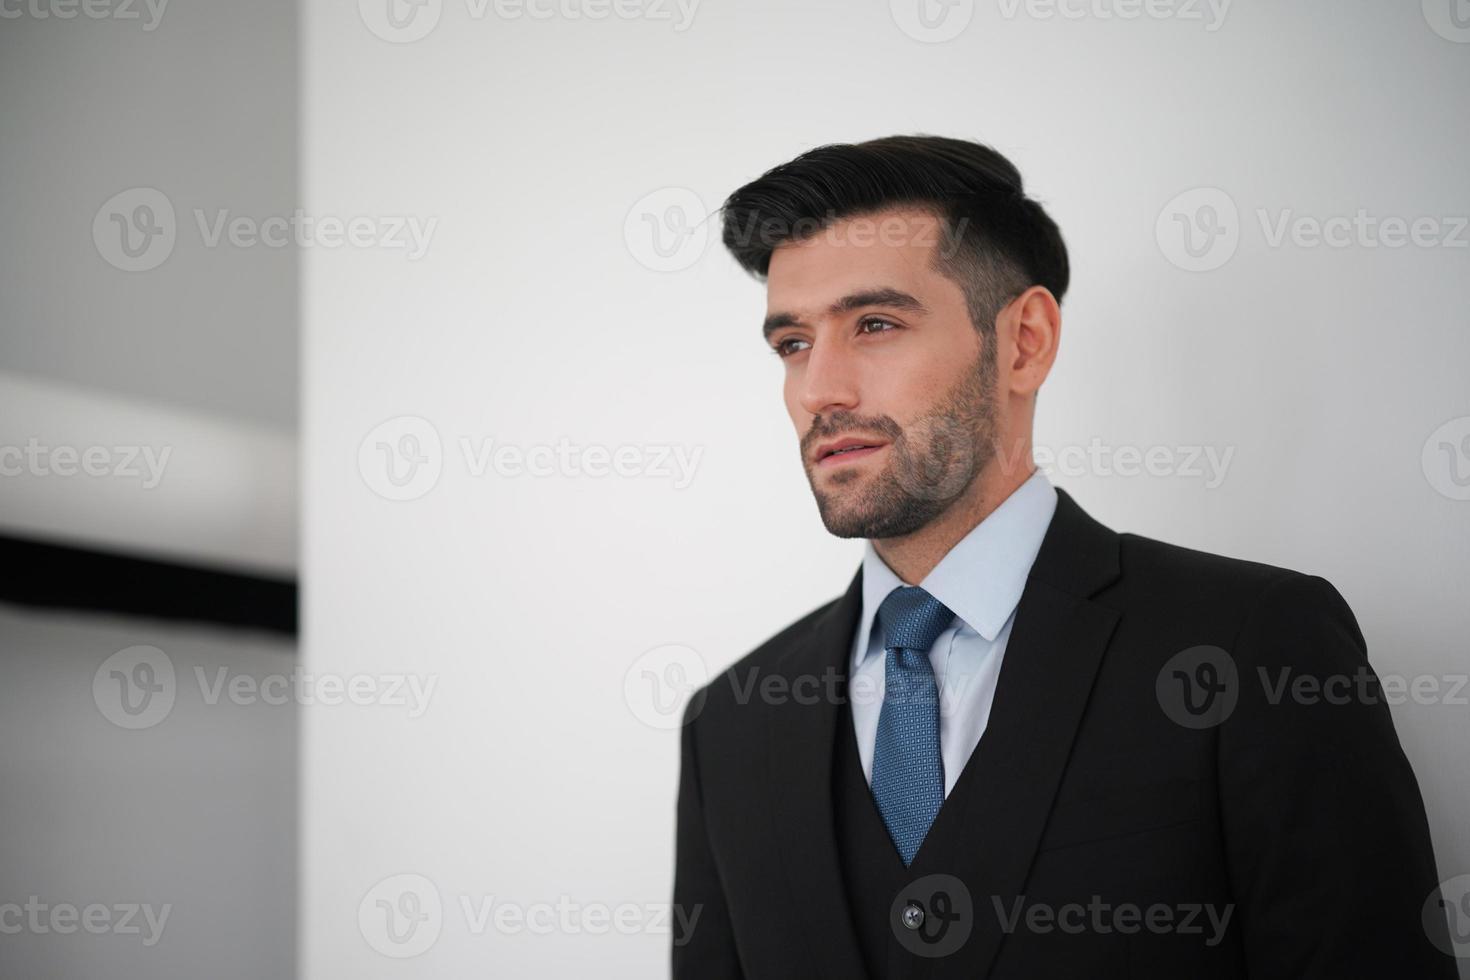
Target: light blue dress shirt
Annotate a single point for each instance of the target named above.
(980, 580)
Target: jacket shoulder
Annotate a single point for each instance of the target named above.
(1148, 560)
(1159, 575)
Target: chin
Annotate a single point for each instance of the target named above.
(844, 520)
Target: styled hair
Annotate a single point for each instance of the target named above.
(995, 241)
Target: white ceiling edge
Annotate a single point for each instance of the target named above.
(92, 469)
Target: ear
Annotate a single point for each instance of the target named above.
(1033, 324)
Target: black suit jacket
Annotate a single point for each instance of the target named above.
(1299, 818)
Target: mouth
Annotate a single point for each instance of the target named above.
(845, 451)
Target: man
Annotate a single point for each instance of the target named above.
(1020, 744)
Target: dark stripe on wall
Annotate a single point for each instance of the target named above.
(38, 573)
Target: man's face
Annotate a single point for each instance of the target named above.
(882, 361)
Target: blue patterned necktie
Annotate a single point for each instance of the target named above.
(908, 771)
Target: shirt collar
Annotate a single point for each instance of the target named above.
(983, 575)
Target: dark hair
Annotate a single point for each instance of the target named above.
(1006, 242)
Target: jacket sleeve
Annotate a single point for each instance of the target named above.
(703, 940)
(1325, 833)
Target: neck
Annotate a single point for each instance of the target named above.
(914, 556)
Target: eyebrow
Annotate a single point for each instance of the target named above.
(882, 296)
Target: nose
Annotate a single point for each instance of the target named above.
(829, 381)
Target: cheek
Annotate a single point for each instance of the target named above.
(927, 379)
(791, 394)
(901, 395)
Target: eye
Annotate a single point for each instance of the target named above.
(781, 348)
(865, 321)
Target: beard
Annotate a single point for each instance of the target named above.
(931, 463)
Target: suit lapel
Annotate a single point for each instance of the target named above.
(1051, 659)
(800, 757)
(1056, 645)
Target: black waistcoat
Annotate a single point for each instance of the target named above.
(873, 872)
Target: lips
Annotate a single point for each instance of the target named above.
(846, 450)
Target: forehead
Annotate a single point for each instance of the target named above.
(894, 248)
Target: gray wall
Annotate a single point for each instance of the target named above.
(193, 816)
(197, 354)
(201, 108)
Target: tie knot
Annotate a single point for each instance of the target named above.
(912, 619)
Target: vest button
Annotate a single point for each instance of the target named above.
(913, 916)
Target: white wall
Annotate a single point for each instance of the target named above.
(542, 312)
